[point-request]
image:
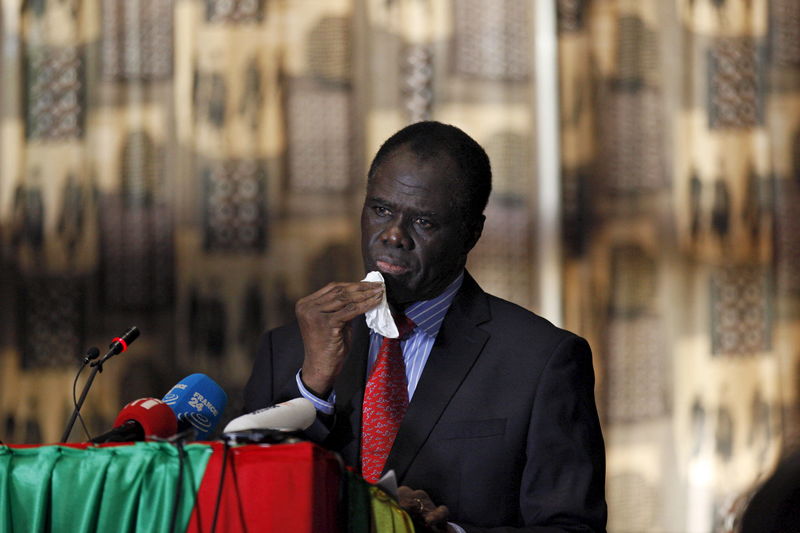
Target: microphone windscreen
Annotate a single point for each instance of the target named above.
(197, 402)
(295, 415)
(155, 417)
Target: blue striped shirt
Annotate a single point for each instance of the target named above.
(427, 316)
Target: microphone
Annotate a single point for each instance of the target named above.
(295, 415)
(198, 402)
(91, 354)
(118, 345)
(139, 420)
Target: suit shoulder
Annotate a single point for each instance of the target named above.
(523, 325)
(290, 330)
(281, 345)
(280, 334)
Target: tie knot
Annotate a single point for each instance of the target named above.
(404, 325)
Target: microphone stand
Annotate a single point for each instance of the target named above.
(118, 345)
(95, 369)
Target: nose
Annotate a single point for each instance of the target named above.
(396, 236)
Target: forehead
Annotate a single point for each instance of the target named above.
(404, 175)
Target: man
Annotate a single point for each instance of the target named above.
(500, 429)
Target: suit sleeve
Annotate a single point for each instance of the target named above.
(563, 482)
(274, 377)
(278, 358)
(258, 390)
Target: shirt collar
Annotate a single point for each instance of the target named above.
(428, 315)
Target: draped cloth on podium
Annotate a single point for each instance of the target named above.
(131, 488)
(86, 489)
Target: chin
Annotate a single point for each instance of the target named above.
(398, 292)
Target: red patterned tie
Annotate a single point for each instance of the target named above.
(385, 403)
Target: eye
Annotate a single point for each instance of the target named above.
(381, 211)
(424, 223)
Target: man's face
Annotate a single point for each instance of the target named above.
(411, 229)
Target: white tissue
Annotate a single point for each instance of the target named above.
(379, 319)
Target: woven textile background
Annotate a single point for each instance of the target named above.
(680, 129)
(193, 167)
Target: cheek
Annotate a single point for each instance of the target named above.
(433, 254)
(369, 231)
(441, 254)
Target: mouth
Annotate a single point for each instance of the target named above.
(391, 268)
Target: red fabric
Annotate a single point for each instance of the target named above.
(281, 488)
(385, 403)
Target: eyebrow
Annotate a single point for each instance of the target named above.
(379, 200)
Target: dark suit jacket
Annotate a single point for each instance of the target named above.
(502, 427)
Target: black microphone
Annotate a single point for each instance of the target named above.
(130, 431)
(118, 345)
(91, 354)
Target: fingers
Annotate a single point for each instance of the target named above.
(350, 299)
(437, 516)
(335, 288)
(351, 285)
(404, 495)
(324, 318)
(421, 508)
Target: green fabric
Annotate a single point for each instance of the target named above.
(358, 504)
(125, 489)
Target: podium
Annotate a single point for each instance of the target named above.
(153, 487)
(276, 488)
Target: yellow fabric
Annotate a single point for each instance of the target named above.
(387, 516)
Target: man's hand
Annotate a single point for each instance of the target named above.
(427, 516)
(324, 318)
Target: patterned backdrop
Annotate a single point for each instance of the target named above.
(193, 167)
(679, 130)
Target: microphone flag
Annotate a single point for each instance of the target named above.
(294, 415)
(198, 402)
(140, 419)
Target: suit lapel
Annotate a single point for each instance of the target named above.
(457, 346)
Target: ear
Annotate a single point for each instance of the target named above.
(475, 230)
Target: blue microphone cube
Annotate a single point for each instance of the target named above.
(197, 402)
